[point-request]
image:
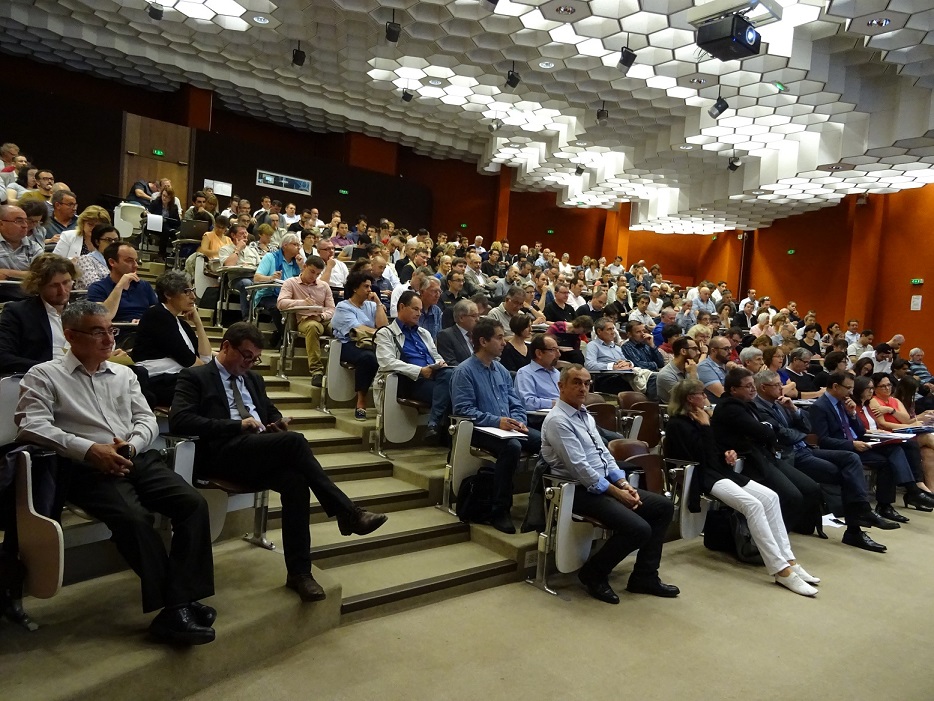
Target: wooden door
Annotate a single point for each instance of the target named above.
(154, 149)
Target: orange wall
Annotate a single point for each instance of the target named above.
(364, 151)
(578, 232)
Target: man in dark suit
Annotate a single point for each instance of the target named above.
(840, 467)
(243, 437)
(31, 329)
(454, 343)
(834, 421)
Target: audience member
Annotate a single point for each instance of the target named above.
(516, 352)
(683, 365)
(455, 343)
(307, 291)
(122, 293)
(79, 240)
(604, 359)
(93, 266)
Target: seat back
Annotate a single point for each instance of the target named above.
(650, 431)
(463, 462)
(624, 448)
(652, 466)
(573, 539)
(9, 396)
(691, 524)
(202, 281)
(604, 415)
(127, 219)
(627, 399)
(340, 380)
(398, 421)
(594, 398)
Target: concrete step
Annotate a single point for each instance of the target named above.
(289, 398)
(382, 494)
(402, 579)
(355, 465)
(331, 440)
(97, 635)
(308, 418)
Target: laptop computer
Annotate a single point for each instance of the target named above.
(193, 229)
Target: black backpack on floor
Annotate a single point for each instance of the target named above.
(475, 497)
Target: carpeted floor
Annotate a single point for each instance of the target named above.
(732, 634)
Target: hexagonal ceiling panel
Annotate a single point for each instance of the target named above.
(837, 102)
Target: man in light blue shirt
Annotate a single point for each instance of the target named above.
(712, 369)
(482, 390)
(638, 519)
(604, 356)
(537, 382)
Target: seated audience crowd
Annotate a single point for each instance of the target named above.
(519, 343)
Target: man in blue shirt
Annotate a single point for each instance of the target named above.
(638, 519)
(276, 266)
(712, 369)
(482, 390)
(430, 318)
(123, 293)
(638, 350)
(537, 382)
(405, 348)
(604, 356)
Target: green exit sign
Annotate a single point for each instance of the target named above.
(343, 192)
(550, 231)
(791, 251)
(917, 281)
(463, 226)
(158, 152)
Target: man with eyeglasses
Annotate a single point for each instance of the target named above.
(64, 214)
(335, 271)
(244, 437)
(92, 413)
(604, 356)
(712, 369)
(837, 467)
(454, 342)
(638, 519)
(683, 364)
(17, 248)
(124, 295)
(455, 292)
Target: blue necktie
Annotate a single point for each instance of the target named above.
(844, 423)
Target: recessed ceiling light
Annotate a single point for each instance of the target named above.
(835, 166)
(877, 22)
(515, 145)
(435, 81)
(686, 147)
(259, 19)
(580, 143)
(546, 64)
(758, 192)
(701, 209)
(568, 10)
(699, 81)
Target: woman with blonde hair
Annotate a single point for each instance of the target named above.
(689, 436)
(77, 242)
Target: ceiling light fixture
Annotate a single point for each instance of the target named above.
(719, 107)
(734, 163)
(603, 117)
(298, 56)
(259, 19)
(565, 10)
(879, 22)
(627, 57)
(758, 192)
(579, 170)
(686, 147)
(698, 81)
(435, 81)
(393, 29)
(512, 78)
(546, 64)
(406, 95)
(155, 11)
(580, 143)
(495, 124)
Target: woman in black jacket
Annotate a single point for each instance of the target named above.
(688, 436)
(165, 342)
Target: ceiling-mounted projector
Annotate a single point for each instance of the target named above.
(731, 38)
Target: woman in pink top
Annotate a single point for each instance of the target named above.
(891, 414)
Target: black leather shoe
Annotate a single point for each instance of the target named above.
(204, 615)
(503, 523)
(306, 587)
(178, 627)
(600, 590)
(360, 522)
(873, 520)
(431, 436)
(861, 540)
(656, 588)
(317, 380)
(888, 511)
(920, 501)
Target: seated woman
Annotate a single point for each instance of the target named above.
(516, 351)
(93, 266)
(77, 242)
(688, 436)
(811, 341)
(701, 335)
(359, 314)
(761, 326)
(891, 413)
(164, 205)
(165, 343)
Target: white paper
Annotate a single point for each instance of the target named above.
(830, 521)
(916, 303)
(222, 189)
(208, 184)
(154, 222)
(500, 433)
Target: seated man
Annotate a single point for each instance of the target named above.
(454, 343)
(840, 467)
(31, 329)
(605, 359)
(641, 314)
(244, 438)
(638, 349)
(482, 390)
(430, 294)
(510, 307)
(683, 364)
(737, 426)
(17, 248)
(712, 369)
(93, 415)
(833, 418)
(560, 310)
(405, 348)
(638, 519)
(863, 345)
(881, 357)
(335, 271)
(239, 253)
(751, 359)
(307, 291)
(277, 266)
(805, 383)
(666, 317)
(124, 295)
(919, 370)
(451, 296)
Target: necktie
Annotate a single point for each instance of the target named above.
(844, 423)
(238, 399)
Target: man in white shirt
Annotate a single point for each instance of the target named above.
(641, 314)
(863, 345)
(335, 271)
(419, 275)
(852, 331)
(750, 297)
(576, 295)
(881, 358)
(616, 268)
(655, 301)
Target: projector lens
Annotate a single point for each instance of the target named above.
(751, 35)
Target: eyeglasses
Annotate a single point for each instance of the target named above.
(22, 221)
(249, 357)
(99, 334)
(771, 384)
(188, 291)
(109, 239)
(883, 385)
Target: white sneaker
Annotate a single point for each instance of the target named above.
(796, 584)
(801, 572)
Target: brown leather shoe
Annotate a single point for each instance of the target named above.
(360, 522)
(306, 587)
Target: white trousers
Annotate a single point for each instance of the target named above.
(760, 506)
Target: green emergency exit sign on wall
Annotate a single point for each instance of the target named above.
(158, 152)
